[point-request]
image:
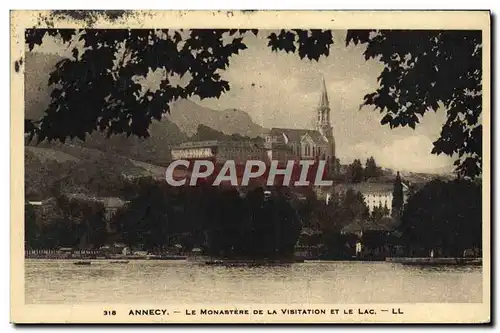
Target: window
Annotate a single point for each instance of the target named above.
(314, 151)
(307, 150)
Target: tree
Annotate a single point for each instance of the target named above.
(356, 172)
(397, 198)
(341, 210)
(444, 215)
(354, 206)
(371, 169)
(81, 222)
(96, 225)
(31, 228)
(427, 70)
(379, 212)
(336, 166)
(146, 219)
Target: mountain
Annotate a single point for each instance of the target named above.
(37, 92)
(76, 169)
(188, 115)
(175, 127)
(423, 178)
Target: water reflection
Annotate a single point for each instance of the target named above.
(178, 282)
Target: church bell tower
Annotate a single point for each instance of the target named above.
(323, 124)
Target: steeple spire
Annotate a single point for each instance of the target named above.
(323, 103)
(324, 127)
(323, 110)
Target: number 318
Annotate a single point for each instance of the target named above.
(109, 312)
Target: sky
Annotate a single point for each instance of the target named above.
(281, 90)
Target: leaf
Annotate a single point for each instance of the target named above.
(386, 119)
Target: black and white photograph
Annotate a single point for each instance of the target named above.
(169, 170)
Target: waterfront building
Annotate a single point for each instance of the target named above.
(373, 240)
(375, 194)
(219, 151)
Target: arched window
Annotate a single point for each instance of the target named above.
(307, 150)
(314, 151)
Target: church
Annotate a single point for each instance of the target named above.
(280, 144)
(286, 143)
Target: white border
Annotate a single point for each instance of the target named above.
(146, 4)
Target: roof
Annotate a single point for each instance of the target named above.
(352, 228)
(279, 146)
(317, 137)
(112, 202)
(385, 224)
(198, 144)
(40, 202)
(219, 143)
(365, 187)
(295, 135)
(106, 201)
(309, 232)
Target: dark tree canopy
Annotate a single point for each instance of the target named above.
(379, 212)
(424, 70)
(66, 222)
(372, 170)
(356, 171)
(397, 198)
(446, 216)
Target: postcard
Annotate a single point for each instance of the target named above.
(250, 167)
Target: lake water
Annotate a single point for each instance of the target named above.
(181, 282)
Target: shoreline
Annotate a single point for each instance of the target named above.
(423, 261)
(405, 261)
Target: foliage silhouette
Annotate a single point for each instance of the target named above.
(379, 212)
(217, 219)
(426, 70)
(445, 216)
(371, 169)
(31, 228)
(397, 198)
(65, 222)
(330, 218)
(356, 171)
